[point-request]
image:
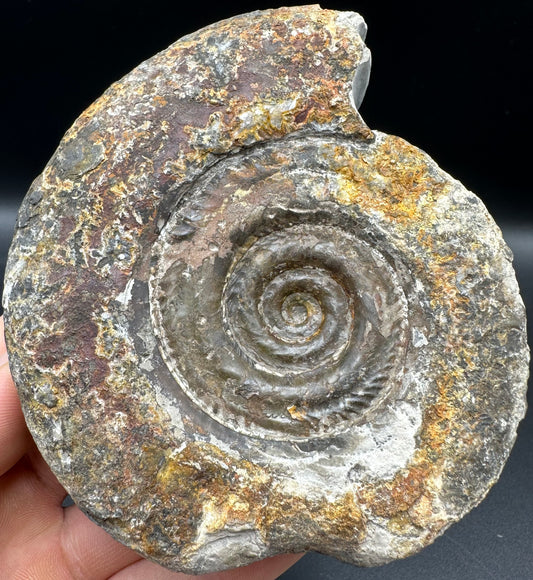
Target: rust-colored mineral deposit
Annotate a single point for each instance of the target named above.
(242, 323)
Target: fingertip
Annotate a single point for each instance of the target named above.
(89, 549)
(14, 437)
(2, 337)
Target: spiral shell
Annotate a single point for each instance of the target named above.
(301, 324)
(242, 323)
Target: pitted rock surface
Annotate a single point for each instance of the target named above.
(242, 323)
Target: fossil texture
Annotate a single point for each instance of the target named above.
(242, 323)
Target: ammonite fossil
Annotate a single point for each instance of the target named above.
(243, 323)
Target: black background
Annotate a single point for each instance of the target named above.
(452, 78)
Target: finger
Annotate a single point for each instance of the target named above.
(268, 569)
(90, 552)
(42, 540)
(31, 516)
(27, 507)
(145, 569)
(14, 437)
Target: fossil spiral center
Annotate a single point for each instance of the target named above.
(294, 318)
(278, 323)
(291, 315)
(299, 309)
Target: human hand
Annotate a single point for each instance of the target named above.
(41, 540)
